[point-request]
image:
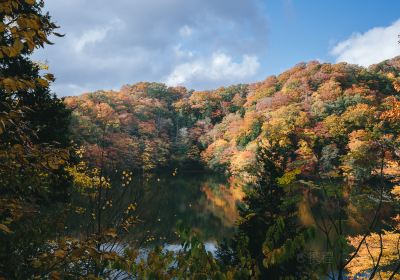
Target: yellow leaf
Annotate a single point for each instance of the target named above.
(53, 164)
(49, 77)
(36, 263)
(111, 233)
(55, 275)
(9, 84)
(30, 2)
(60, 253)
(5, 228)
(43, 82)
(18, 46)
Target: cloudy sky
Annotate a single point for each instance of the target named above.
(204, 44)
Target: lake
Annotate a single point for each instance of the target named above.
(205, 203)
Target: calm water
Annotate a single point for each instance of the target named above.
(205, 203)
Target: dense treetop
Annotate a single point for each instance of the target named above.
(322, 115)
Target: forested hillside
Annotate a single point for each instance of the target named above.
(148, 125)
(315, 151)
(324, 117)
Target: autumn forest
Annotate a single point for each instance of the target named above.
(293, 177)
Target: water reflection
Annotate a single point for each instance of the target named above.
(222, 200)
(202, 202)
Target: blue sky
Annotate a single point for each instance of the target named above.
(307, 30)
(204, 44)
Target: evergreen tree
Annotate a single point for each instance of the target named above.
(33, 140)
(269, 230)
(23, 88)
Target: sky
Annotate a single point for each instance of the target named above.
(205, 44)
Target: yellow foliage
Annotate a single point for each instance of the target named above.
(359, 114)
(335, 125)
(87, 178)
(396, 192)
(370, 250)
(288, 177)
(358, 139)
(5, 229)
(241, 164)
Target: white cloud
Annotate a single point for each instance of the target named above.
(219, 68)
(91, 36)
(180, 53)
(185, 31)
(373, 46)
(94, 35)
(124, 42)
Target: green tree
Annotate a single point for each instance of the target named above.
(269, 229)
(32, 144)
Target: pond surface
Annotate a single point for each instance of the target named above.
(204, 203)
(207, 204)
